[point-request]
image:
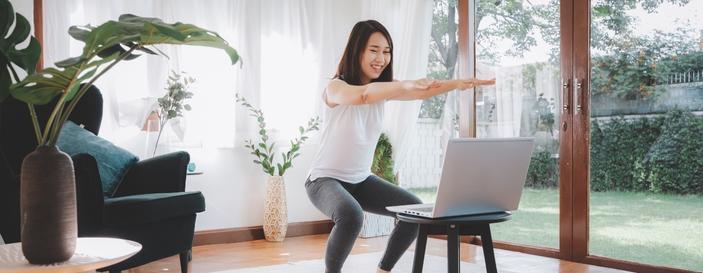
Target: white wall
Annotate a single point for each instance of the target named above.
(234, 188)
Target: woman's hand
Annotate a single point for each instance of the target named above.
(471, 83)
(421, 84)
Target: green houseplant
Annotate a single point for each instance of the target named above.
(382, 165)
(263, 151)
(172, 104)
(48, 201)
(275, 211)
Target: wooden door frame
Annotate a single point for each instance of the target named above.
(574, 126)
(38, 12)
(580, 80)
(566, 133)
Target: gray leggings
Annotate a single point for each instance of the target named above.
(343, 203)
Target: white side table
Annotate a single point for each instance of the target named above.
(91, 254)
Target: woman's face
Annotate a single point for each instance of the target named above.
(376, 56)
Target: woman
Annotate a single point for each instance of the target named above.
(340, 183)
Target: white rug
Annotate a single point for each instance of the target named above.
(365, 263)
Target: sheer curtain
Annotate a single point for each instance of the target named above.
(509, 99)
(289, 51)
(410, 24)
(131, 88)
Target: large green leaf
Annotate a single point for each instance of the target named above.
(69, 62)
(7, 16)
(132, 30)
(154, 31)
(102, 37)
(21, 30)
(41, 88)
(10, 56)
(28, 57)
(168, 30)
(195, 36)
(80, 33)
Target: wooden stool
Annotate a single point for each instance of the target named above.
(453, 227)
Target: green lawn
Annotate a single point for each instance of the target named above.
(643, 227)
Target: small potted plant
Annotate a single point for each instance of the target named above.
(173, 103)
(275, 210)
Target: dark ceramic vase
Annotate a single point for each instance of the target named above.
(48, 206)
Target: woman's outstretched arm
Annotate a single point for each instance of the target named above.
(340, 92)
(443, 86)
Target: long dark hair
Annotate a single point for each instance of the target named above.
(349, 69)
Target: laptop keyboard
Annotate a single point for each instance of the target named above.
(424, 209)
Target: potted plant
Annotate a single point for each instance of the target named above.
(48, 198)
(275, 209)
(172, 104)
(382, 166)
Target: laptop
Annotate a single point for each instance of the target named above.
(479, 176)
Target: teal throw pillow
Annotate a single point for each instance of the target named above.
(113, 162)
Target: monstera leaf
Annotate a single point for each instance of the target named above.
(107, 43)
(105, 46)
(26, 58)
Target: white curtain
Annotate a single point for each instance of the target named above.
(289, 51)
(130, 89)
(410, 24)
(509, 93)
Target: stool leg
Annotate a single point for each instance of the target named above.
(488, 255)
(420, 245)
(453, 249)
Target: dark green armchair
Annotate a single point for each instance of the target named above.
(149, 205)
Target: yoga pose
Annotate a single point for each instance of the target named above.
(340, 183)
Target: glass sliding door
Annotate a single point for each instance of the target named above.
(646, 132)
(518, 44)
(421, 168)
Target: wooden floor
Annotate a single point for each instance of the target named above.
(213, 258)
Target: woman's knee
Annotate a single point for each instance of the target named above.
(349, 216)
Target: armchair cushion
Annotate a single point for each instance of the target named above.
(153, 207)
(113, 161)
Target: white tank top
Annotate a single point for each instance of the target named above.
(348, 138)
